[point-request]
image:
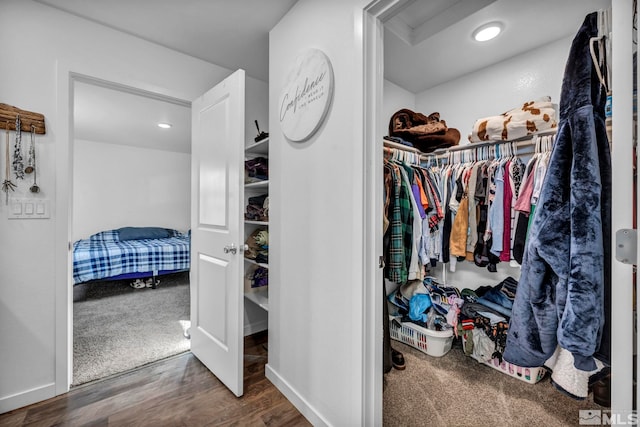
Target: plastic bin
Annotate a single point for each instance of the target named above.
(528, 375)
(433, 343)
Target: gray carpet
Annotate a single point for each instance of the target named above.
(455, 390)
(117, 328)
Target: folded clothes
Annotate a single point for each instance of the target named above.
(500, 297)
(531, 117)
(257, 244)
(471, 309)
(256, 169)
(398, 140)
(426, 133)
(258, 200)
(258, 277)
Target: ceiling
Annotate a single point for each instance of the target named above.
(427, 43)
(115, 116)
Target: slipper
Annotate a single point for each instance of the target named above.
(150, 284)
(397, 359)
(138, 284)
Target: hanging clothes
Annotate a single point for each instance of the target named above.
(558, 313)
(398, 238)
(412, 217)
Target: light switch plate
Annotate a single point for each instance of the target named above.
(28, 209)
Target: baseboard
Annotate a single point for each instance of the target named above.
(305, 408)
(19, 400)
(254, 328)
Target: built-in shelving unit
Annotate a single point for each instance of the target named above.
(261, 264)
(246, 221)
(259, 295)
(257, 185)
(261, 147)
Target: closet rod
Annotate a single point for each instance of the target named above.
(398, 146)
(521, 142)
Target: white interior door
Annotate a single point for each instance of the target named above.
(217, 303)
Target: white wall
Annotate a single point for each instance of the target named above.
(498, 88)
(39, 40)
(119, 186)
(394, 98)
(316, 242)
(256, 108)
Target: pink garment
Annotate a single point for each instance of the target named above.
(524, 198)
(505, 255)
(454, 312)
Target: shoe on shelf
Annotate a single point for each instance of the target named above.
(397, 359)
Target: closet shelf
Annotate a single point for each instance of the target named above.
(259, 296)
(259, 184)
(261, 264)
(521, 142)
(261, 147)
(246, 221)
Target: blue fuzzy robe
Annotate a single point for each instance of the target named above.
(559, 304)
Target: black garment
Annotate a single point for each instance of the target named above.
(520, 237)
(386, 335)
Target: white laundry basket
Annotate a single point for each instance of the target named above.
(433, 343)
(528, 375)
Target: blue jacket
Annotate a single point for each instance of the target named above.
(566, 265)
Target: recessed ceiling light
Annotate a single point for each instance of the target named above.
(164, 125)
(487, 31)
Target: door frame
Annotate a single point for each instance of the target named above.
(374, 16)
(67, 75)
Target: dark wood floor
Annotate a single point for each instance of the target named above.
(178, 391)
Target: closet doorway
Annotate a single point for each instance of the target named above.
(129, 172)
(532, 69)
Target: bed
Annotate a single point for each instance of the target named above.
(130, 253)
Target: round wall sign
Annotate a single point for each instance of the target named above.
(306, 97)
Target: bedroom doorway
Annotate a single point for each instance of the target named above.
(127, 171)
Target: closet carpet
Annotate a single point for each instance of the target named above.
(117, 328)
(456, 390)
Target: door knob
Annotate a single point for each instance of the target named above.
(230, 248)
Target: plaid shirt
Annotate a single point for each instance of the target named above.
(398, 252)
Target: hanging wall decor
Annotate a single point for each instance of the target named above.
(7, 184)
(27, 118)
(18, 164)
(306, 97)
(34, 188)
(31, 156)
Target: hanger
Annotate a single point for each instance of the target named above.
(604, 29)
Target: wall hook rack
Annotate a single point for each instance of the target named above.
(29, 120)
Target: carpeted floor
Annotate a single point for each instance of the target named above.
(455, 390)
(117, 328)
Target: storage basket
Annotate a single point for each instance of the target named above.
(433, 343)
(528, 375)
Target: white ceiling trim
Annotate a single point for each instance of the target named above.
(436, 23)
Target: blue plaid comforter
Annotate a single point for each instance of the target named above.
(103, 256)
